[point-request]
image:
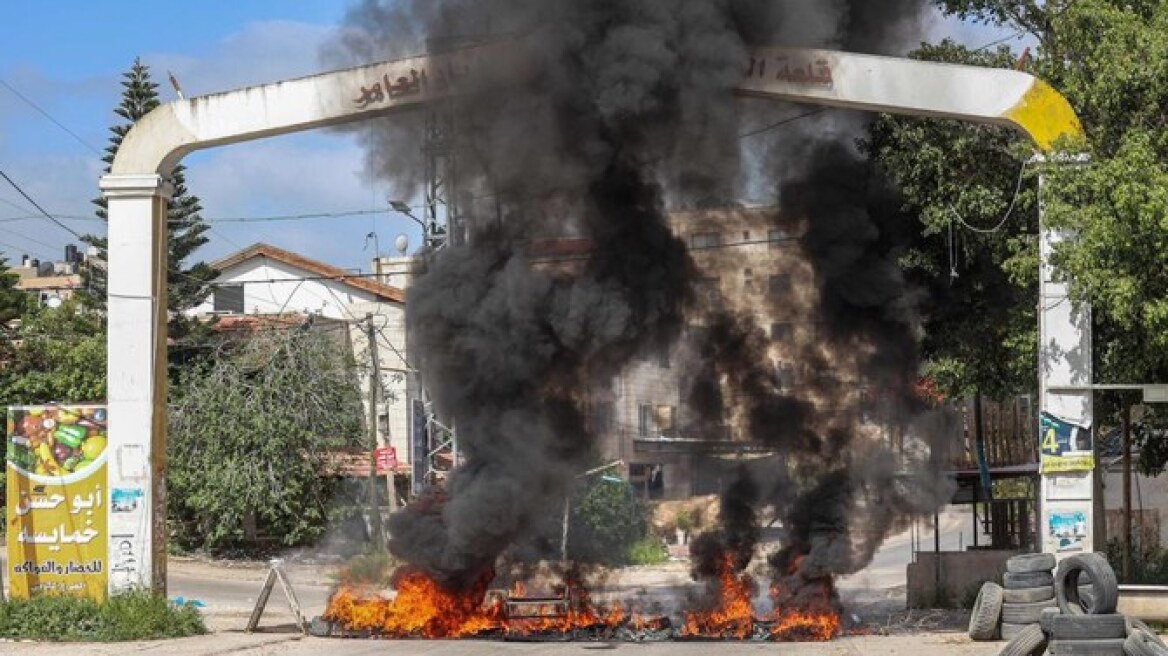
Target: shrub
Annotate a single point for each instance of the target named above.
(132, 616)
(606, 520)
(648, 551)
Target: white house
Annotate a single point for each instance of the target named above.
(265, 280)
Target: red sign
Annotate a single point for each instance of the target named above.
(386, 458)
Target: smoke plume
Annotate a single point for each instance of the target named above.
(630, 111)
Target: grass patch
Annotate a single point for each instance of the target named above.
(648, 551)
(131, 616)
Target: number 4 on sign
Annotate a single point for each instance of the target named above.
(276, 571)
(1050, 442)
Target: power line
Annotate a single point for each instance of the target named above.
(1009, 210)
(44, 113)
(39, 208)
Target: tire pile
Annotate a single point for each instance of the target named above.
(1070, 612)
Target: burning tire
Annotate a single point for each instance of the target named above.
(1088, 627)
(1025, 613)
(1144, 643)
(1104, 586)
(987, 610)
(1029, 641)
(1028, 595)
(1111, 647)
(1030, 563)
(1020, 580)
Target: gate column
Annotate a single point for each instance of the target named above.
(137, 316)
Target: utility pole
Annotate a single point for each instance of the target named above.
(1127, 492)
(374, 507)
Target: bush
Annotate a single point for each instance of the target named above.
(132, 616)
(648, 551)
(1149, 563)
(607, 519)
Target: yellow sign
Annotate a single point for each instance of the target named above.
(56, 492)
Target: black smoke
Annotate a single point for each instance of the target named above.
(629, 110)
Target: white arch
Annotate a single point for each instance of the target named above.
(137, 196)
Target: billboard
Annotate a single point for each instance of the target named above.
(56, 465)
(1064, 446)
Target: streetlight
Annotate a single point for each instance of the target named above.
(402, 207)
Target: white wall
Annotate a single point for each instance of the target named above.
(328, 298)
(336, 300)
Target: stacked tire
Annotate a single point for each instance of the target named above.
(1028, 590)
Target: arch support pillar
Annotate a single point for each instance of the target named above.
(137, 382)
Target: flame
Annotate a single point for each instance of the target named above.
(809, 616)
(422, 608)
(733, 615)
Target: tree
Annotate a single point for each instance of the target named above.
(60, 358)
(13, 302)
(249, 432)
(186, 285)
(976, 250)
(606, 521)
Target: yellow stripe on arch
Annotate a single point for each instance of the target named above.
(1045, 115)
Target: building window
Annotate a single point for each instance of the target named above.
(745, 235)
(782, 332)
(229, 298)
(702, 240)
(779, 284)
(776, 236)
(748, 279)
(644, 419)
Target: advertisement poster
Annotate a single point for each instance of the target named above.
(1067, 530)
(1064, 446)
(56, 465)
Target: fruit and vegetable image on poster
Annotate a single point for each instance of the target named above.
(56, 465)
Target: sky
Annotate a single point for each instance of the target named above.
(60, 67)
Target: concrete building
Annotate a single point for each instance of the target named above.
(750, 264)
(51, 282)
(264, 280)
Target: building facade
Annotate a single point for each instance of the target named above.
(266, 281)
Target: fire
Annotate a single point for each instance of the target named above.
(733, 616)
(422, 608)
(813, 617)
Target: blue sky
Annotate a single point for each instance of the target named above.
(67, 56)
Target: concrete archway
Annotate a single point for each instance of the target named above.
(137, 193)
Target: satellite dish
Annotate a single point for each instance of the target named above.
(401, 243)
(53, 302)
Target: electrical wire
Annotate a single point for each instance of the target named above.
(44, 113)
(48, 216)
(1009, 210)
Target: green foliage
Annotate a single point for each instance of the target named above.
(1149, 563)
(133, 616)
(61, 358)
(649, 550)
(606, 521)
(249, 430)
(959, 180)
(187, 285)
